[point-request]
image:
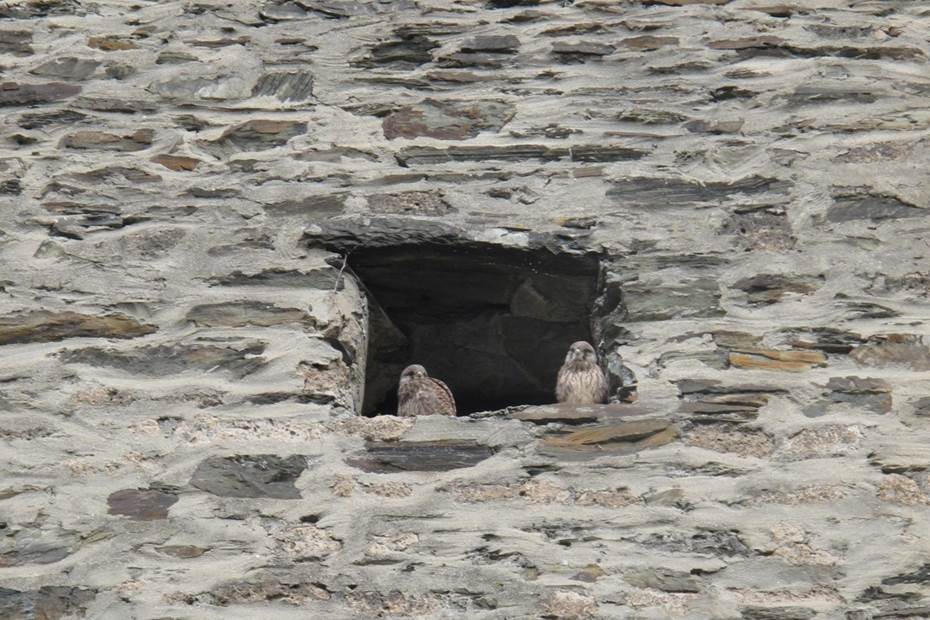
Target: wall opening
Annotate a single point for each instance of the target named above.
(493, 322)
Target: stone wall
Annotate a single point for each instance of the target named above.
(185, 342)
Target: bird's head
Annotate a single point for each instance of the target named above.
(414, 371)
(581, 351)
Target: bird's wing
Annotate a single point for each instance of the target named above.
(445, 396)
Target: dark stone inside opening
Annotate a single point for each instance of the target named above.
(493, 322)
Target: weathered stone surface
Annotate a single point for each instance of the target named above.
(380, 457)
(829, 440)
(675, 181)
(412, 203)
(732, 440)
(251, 475)
(142, 504)
(164, 360)
(761, 229)
(45, 326)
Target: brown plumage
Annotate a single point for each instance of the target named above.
(581, 381)
(420, 394)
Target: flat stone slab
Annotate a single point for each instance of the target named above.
(617, 438)
(142, 504)
(578, 414)
(392, 457)
(250, 475)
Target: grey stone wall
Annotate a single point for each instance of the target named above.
(182, 360)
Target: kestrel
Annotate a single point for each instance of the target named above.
(581, 381)
(420, 394)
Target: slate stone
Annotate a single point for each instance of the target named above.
(256, 135)
(769, 359)
(664, 579)
(99, 140)
(922, 406)
(384, 457)
(285, 86)
(612, 433)
(315, 208)
(46, 603)
(410, 51)
(653, 300)
(873, 395)
(770, 288)
(325, 279)
(37, 546)
(67, 68)
(576, 414)
(243, 313)
(16, 42)
(852, 207)
(906, 350)
(826, 339)
(46, 326)
(111, 43)
(142, 504)
(502, 44)
(648, 43)
(604, 153)
(177, 163)
(81, 226)
(447, 120)
(183, 552)
(919, 575)
(790, 612)
(581, 50)
(669, 192)
(251, 475)
(37, 120)
(420, 155)
(116, 105)
(13, 94)
(171, 359)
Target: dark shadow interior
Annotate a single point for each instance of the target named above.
(494, 323)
